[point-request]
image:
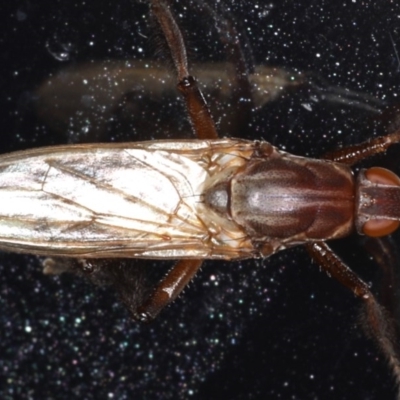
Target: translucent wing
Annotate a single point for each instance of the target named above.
(120, 200)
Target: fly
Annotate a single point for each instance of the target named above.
(223, 199)
(193, 200)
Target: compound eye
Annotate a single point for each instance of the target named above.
(382, 176)
(381, 226)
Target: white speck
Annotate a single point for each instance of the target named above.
(307, 106)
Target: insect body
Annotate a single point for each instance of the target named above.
(220, 199)
(193, 200)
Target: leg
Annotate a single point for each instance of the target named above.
(168, 289)
(203, 125)
(199, 115)
(377, 322)
(384, 253)
(353, 154)
(130, 281)
(242, 98)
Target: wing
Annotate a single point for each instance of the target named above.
(123, 200)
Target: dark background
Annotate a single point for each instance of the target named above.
(275, 328)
